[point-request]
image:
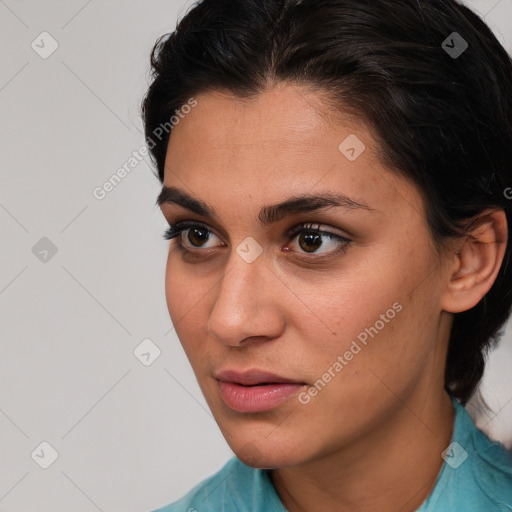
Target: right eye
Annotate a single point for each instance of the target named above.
(196, 234)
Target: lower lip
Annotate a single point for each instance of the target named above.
(256, 398)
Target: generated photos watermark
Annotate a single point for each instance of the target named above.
(101, 192)
(355, 348)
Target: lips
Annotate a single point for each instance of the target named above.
(255, 390)
(253, 377)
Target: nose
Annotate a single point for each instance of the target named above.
(247, 308)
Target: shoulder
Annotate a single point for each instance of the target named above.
(477, 473)
(491, 466)
(235, 488)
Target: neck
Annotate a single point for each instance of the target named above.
(395, 468)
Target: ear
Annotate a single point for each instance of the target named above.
(477, 261)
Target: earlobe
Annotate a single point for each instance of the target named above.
(476, 262)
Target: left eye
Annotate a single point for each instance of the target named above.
(309, 237)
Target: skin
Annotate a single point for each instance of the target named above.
(372, 438)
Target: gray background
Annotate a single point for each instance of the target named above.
(129, 437)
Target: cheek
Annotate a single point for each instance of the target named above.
(175, 295)
(186, 301)
(343, 307)
(387, 354)
(376, 314)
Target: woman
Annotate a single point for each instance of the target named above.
(335, 185)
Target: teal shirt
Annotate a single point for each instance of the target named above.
(475, 477)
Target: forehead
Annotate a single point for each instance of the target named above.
(283, 141)
(282, 115)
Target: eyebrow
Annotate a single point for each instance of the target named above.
(305, 203)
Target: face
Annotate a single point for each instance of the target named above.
(302, 322)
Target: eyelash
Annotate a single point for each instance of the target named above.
(177, 229)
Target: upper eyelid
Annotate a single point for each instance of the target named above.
(186, 224)
(314, 226)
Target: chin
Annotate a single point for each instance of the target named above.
(268, 457)
(251, 455)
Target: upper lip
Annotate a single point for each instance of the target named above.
(253, 377)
